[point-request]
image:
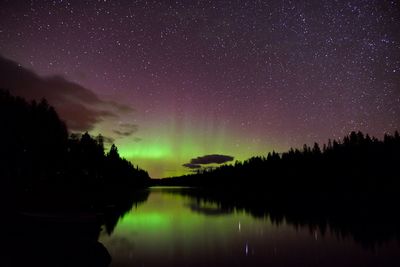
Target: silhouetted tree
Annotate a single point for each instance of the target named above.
(357, 165)
(39, 156)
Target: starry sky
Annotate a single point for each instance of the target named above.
(173, 81)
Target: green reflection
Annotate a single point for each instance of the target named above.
(171, 229)
(149, 220)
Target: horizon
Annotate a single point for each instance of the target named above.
(199, 83)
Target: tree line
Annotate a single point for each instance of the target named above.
(39, 155)
(356, 163)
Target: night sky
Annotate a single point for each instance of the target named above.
(171, 81)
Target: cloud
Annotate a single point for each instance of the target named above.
(209, 159)
(120, 107)
(191, 166)
(79, 107)
(126, 129)
(196, 163)
(122, 133)
(107, 140)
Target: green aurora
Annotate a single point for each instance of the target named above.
(162, 148)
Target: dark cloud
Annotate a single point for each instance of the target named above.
(120, 107)
(126, 129)
(191, 166)
(210, 159)
(108, 140)
(79, 107)
(120, 133)
(197, 163)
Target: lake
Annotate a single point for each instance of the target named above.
(172, 228)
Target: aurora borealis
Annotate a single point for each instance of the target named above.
(172, 81)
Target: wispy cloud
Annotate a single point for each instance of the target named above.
(78, 106)
(126, 129)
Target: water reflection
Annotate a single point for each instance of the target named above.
(186, 227)
(191, 227)
(62, 238)
(369, 222)
(207, 208)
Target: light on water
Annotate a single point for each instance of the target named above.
(173, 229)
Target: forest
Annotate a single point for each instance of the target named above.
(42, 161)
(356, 163)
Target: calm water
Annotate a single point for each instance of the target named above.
(171, 229)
